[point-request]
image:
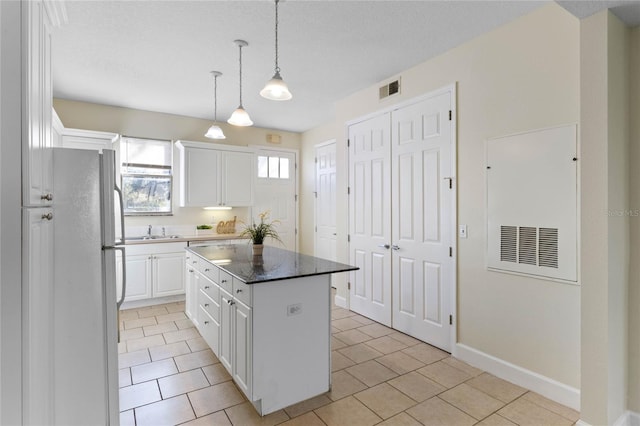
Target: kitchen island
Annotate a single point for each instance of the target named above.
(267, 318)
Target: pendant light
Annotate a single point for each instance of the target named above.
(215, 132)
(240, 117)
(276, 89)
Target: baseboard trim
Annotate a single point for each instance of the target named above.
(340, 301)
(628, 418)
(545, 386)
(634, 418)
(134, 304)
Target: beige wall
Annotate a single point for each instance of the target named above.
(605, 224)
(634, 205)
(522, 76)
(148, 124)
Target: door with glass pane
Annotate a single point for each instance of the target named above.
(275, 192)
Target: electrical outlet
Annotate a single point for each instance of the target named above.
(295, 309)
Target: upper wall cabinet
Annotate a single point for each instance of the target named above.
(213, 175)
(87, 139)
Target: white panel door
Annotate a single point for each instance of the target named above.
(423, 280)
(370, 218)
(326, 201)
(275, 191)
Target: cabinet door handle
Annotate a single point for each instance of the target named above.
(190, 270)
(206, 322)
(239, 290)
(206, 287)
(194, 262)
(48, 197)
(223, 281)
(207, 269)
(48, 216)
(206, 305)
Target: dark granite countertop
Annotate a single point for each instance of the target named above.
(274, 264)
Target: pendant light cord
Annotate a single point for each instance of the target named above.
(215, 98)
(277, 67)
(240, 47)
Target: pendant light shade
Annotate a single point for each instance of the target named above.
(276, 89)
(215, 132)
(240, 117)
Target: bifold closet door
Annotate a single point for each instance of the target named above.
(370, 217)
(422, 266)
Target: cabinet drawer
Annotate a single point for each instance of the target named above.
(209, 329)
(226, 281)
(210, 271)
(210, 288)
(211, 306)
(242, 292)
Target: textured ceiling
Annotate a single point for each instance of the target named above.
(157, 56)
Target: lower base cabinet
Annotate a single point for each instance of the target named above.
(273, 338)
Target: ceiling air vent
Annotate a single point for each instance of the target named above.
(390, 89)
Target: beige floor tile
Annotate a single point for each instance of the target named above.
(400, 362)
(185, 323)
(309, 419)
(195, 360)
(495, 420)
(180, 335)
(461, 365)
(246, 415)
(216, 373)
(352, 337)
(345, 324)
(416, 386)
(124, 377)
(344, 384)
(402, 419)
(130, 359)
(526, 413)
(153, 370)
(384, 400)
(347, 411)
(497, 388)
(407, 340)
(376, 330)
(137, 323)
(176, 316)
(134, 333)
(216, 419)
(167, 412)
(339, 361)
(182, 383)
(198, 344)
(175, 307)
(360, 353)
(436, 412)
(362, 320)
(151, 330)
(371, 373)
(215, 398)
(138, 395)
(444, 374)
(425, 353)
(168, 351)
(386, 345)
(128, 314)
(337, 344)
(550, 405)
(308, 405)
(144, 343)
(152, 311)
(339, 313)
(127, 418)
(472, 401)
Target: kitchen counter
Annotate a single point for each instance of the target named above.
(182, 239)
(274, 264)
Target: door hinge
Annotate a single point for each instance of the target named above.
(348, 143)
(296, 231)
(316, 229)
(348, 190)
(450, 251)
(315, 193)
(450, 114)
(348, 285)
(296, 196)
(348, 238)
(450, 319)
(316, 160)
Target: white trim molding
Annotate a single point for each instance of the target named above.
(543, 385)
(340, 301)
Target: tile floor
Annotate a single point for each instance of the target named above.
(169, 376)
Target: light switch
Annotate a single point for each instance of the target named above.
(462, 231)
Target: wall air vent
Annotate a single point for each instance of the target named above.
(529, 245)
(390, 89)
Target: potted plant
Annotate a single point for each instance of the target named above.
(257, 232)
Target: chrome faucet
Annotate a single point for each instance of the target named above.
(149, 231)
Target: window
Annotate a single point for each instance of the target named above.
(273, 167)
(146, 176)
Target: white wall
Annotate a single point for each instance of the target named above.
(522, 76)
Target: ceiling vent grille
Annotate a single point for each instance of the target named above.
(390, 89)
(529, 245)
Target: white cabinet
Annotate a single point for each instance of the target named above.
(88, 139)
(154, 270)
(215, 175)
(242, 343)
(191, 278)
(37, 97)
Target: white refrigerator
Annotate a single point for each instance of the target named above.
(87, 210)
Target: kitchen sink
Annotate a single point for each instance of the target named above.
(152, 237)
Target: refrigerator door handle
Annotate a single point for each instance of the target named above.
(124, 275)
(122, 237)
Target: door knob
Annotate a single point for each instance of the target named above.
(395, 247)
(384, 246)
